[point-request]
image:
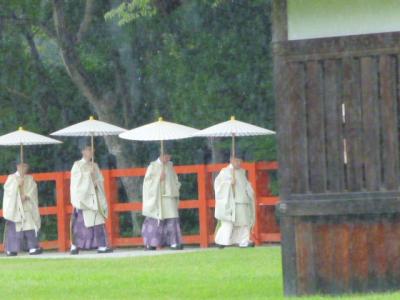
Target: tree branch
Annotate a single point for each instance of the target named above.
(73, 65)
(49, 93)
(87, 19)
(16, 93)
(35, 54)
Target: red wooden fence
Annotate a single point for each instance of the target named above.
(265, 229)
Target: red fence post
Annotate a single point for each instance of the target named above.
(253, 181)
(203, 207)
(268, 211)
(112, 223)
(211, 221)
(62, 226)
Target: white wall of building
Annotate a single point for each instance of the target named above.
(327, 18)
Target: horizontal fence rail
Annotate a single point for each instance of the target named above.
(265, 229)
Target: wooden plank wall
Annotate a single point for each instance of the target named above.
(340, 253)
(367, 88)
(339, 176)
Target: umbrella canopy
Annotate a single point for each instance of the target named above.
(159, 131)
(22, 137)
(233, 127)
(90, 127)
(25, 137)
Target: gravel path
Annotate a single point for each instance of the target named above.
(118, 253)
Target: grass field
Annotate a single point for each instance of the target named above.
(212, 274)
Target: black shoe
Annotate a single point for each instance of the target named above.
(177, 247)
(74, 251)
(9, 253)
(149, 248)
(220, 246)
(107, 250)
(36, 251)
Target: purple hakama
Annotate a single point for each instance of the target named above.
(161, 233)
(14, 239)
(87, 237)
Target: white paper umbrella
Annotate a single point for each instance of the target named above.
(90, 128)
(233, 128)
(159, 131)
(23, 138)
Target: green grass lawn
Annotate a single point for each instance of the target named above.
(213, 274)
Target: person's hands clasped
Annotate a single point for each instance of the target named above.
(162, 177)
(92, 170)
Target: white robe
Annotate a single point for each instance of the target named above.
(234, 207)
(87, 193)
(25, 214)
(160, 198)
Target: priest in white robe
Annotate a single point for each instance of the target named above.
(234, 206)
(160, 206)
(21, 212)
(90, 205)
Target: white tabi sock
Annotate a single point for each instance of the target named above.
(244, 244)
(73, 247)
(32, 250)
(102, 248)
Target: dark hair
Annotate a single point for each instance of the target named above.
(85, 146)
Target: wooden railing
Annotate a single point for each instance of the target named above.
(265, 229)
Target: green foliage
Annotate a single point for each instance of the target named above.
(205, 63)
(127, 12)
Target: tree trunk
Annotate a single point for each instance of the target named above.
(103, 104)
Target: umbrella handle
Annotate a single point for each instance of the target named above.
(95, 190)
(92, 147)
(162, 171)
(233, 154)
(21, 153)
(234, 182)
(21, 160)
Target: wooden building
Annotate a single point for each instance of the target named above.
(337, 78)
